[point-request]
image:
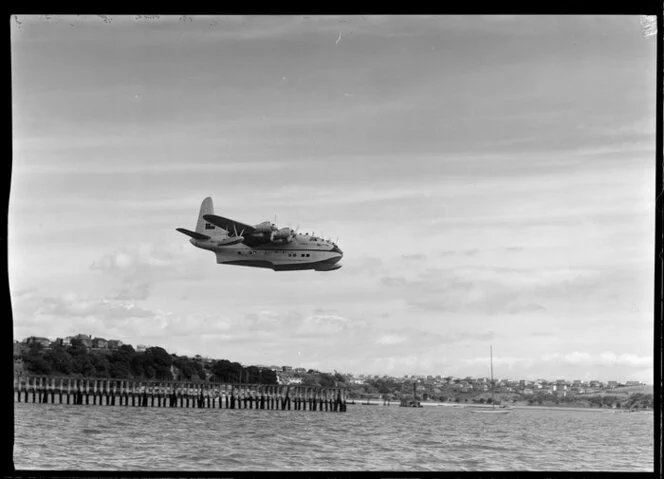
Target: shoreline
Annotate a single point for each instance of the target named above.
(370, 402)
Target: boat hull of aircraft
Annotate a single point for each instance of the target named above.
(324, 265)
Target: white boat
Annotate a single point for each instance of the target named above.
(493, 409)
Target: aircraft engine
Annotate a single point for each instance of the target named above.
(264, 227)
(284, 234)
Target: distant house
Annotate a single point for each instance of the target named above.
(45, 342)
(114, 344)
(99, 343)
(85, 339)
(528, 392)
(287, 368)
(612, 384)
(632, 383)
(67, 341)
(300, 370)
(140, 348)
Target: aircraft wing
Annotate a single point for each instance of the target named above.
(229, 225)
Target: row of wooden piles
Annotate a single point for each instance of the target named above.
(111, 392)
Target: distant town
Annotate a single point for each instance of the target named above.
(361, 386)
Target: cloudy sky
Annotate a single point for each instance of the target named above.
(490, 179)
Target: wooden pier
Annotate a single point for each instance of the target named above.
(117, 392)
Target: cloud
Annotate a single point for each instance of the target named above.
(272, 321)
(324, 325)
(153, 255)
(71, 314)
(389, 281)
(414, 257)
(135, 291)
(72, 305)
(604, 359)
(390, 339)
(516, 308)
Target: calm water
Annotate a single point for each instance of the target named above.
(54, 436)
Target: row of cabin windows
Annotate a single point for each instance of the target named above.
(289, 254)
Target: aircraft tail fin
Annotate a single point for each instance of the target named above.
(204, 227)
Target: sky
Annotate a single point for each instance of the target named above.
(490, 179)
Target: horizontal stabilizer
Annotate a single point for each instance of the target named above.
(193, 234)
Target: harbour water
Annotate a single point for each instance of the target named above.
(365, 438)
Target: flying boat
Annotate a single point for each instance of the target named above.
(263, 245)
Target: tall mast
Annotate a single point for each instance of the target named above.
(493, 401)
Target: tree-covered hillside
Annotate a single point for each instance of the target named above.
(154, 363)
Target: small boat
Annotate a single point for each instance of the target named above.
(493, 409)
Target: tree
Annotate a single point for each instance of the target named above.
(158, 363)
(327, 381)
(59, 360)
(226, 371)
(101, 365)
(119, 370)
(38, 365)
(77, 348)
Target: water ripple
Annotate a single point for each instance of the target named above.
(68, 437)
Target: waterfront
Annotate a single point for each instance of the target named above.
(68, 437)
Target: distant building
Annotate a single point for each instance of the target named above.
(612, 384)
(632, 383)
(45, 342)
(99, 343)
(114, 344)
(287, 368)
(140, 348)
(85, 339)
(299, 370)
(67, 341)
